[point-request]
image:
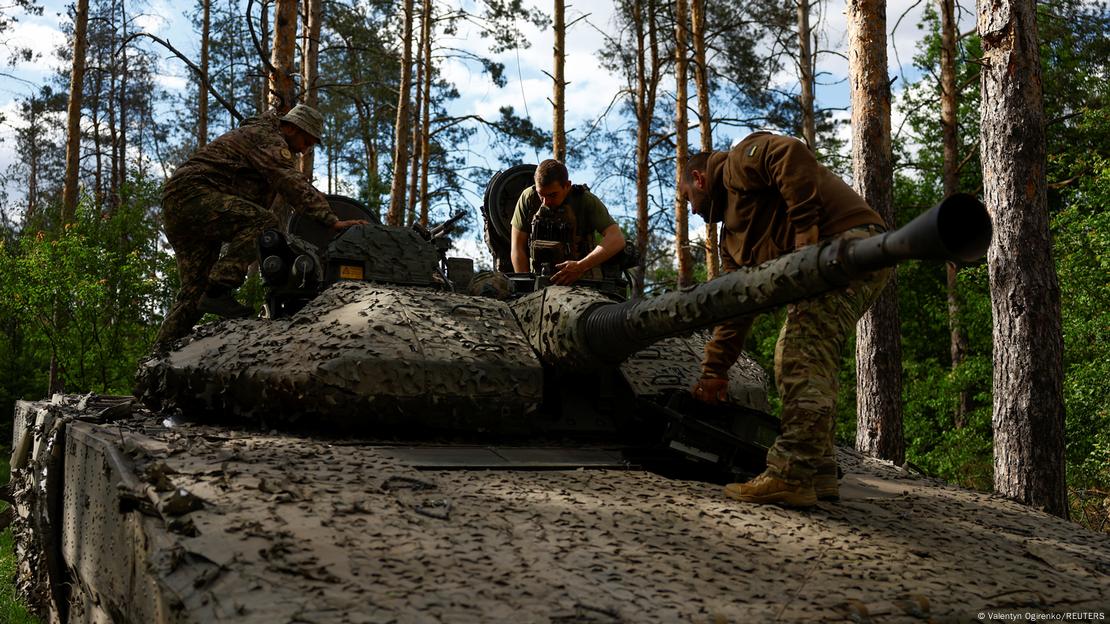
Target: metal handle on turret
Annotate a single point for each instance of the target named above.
(958, 229)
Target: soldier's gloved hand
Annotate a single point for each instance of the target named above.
(711, 390)
(339, 226)
(568, 273)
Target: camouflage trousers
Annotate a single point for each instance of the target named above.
(807, 365)
(213, 236)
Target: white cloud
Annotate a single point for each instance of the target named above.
(171, 82)
(43, 38)
(157, 17)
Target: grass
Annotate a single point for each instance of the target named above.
(12, 610)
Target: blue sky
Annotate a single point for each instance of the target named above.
(590, 90)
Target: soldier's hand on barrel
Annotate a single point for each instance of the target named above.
(568, 273)
(339, 226)
(710, 390)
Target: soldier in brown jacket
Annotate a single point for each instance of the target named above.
(217, 203)
(773, 197)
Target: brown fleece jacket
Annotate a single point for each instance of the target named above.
(770, 187)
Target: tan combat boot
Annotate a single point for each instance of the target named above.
(768, 489)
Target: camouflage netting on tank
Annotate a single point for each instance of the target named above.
(211, 524)
(674, 364)
(386, 254)
(358, 356)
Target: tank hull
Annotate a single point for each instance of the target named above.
(220, 524)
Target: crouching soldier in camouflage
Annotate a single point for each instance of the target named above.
(773, 197)
(565, 215)
(217, 203)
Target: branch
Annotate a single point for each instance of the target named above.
(204, 79)
(1072, 180)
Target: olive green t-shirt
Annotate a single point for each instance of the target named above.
(589, 212)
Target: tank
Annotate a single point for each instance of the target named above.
(387, 447)
(373, 333)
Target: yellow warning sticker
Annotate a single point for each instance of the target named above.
(349, 272)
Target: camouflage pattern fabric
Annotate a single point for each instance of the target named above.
(213, 235)
(252, 162)
(807, 362)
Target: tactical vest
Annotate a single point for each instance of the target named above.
(555, 237)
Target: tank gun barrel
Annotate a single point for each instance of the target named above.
(958, 229)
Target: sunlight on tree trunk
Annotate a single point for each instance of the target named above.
(647, 81)
(310, 50)
(681, 224)
(558, 132)
(417, 141)
(701, 78)
(878, 333)
(425, 118)
(1028, 413)
(805, 74)
(73, 126)
(282, 96)
(401, 127)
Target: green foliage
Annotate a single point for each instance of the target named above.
(90, 295)
(1075, 56)
(1082, 231)
(12, 610)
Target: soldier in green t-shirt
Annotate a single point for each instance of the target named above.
(570, 215)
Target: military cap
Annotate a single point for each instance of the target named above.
(306, 118)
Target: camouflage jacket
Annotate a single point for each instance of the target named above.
(253, 162)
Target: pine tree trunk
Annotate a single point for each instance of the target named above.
(1025, 294)
(642, 128)
(805, 74)
(401, 127)
(98, 137)
(264, 76)
(681, 223)
(948, 114)
(73, 125)
(647, 80)
(282, 90)
(113, 137)
(701, 78)
(558, 132)
(202, 96)
(425, 122)
(878, 333)
(124, 107)
(310, 47)
(417, 141)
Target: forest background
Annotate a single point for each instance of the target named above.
(81, 297)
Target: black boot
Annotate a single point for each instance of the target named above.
(219, 301)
